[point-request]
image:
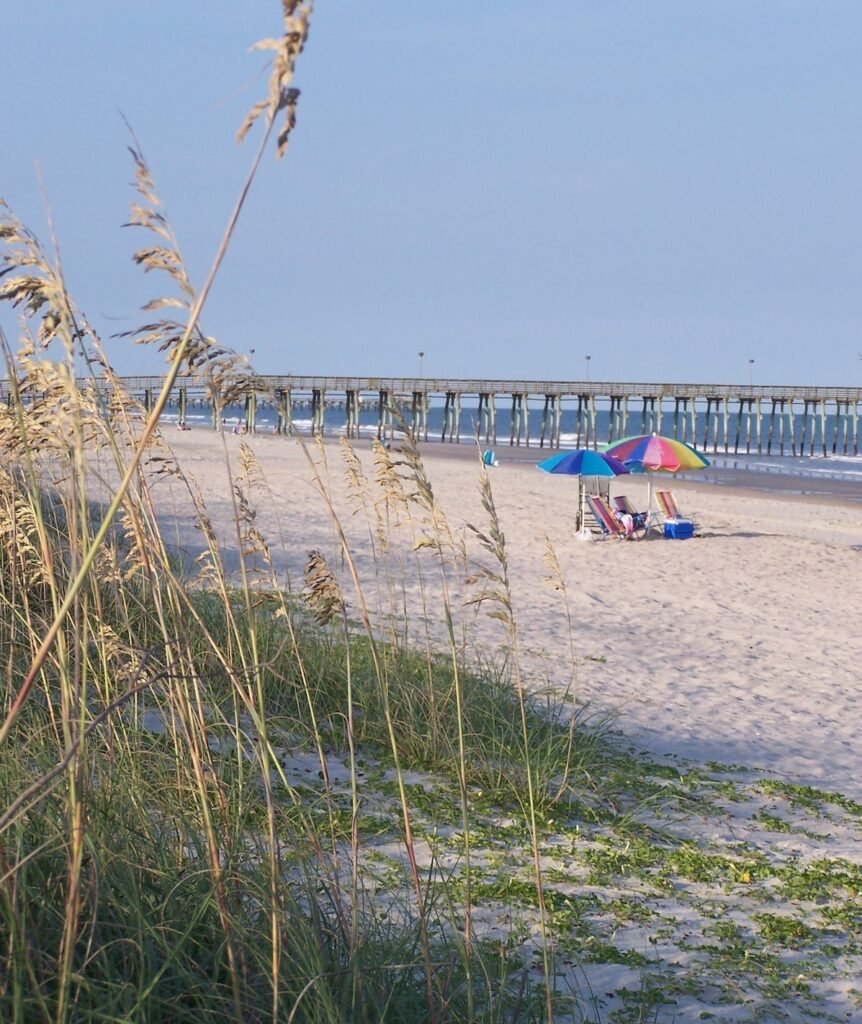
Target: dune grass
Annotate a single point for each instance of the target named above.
(160, 858)
(162, 854)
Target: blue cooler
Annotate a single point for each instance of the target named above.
(678, 529)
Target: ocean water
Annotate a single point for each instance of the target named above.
(840, 466)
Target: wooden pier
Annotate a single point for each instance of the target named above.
(773, 420)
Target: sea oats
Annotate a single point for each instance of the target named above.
(354, 474)
(222, 370)
(251, 539)
(19, 534)
(287, 48)
(250, 469)
(322, 592)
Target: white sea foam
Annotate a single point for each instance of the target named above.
(832, 467)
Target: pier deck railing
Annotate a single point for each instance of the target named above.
(474, 387)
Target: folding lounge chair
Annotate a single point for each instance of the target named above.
(670, 509)
(622, 504)
(608, 522)
(676, 524)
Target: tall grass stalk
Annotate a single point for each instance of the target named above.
(395, 514)
(557, 580)
(439, 539)
(382, 678)
(498, 592)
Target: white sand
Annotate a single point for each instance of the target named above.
(741, 646)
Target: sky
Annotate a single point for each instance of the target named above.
(671, 187)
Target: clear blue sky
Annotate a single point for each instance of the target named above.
(673, 187)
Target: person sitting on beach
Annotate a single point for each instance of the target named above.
(627, 521)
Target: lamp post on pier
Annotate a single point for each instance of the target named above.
(587, 367)
(750, 372)
(421, 357)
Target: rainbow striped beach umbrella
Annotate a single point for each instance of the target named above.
(654, 453)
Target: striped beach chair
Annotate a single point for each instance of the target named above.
(624, 505)
(670, 509)
(608, 523)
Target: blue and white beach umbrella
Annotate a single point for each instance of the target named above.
(583, 462)
(580, 463)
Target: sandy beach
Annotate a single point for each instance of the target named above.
(739, 646)
(700, 862)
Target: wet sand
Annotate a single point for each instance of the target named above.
(742, 477)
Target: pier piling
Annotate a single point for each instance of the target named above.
(352, 405)
(520, 421)
(551, 413)
(283, 411)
